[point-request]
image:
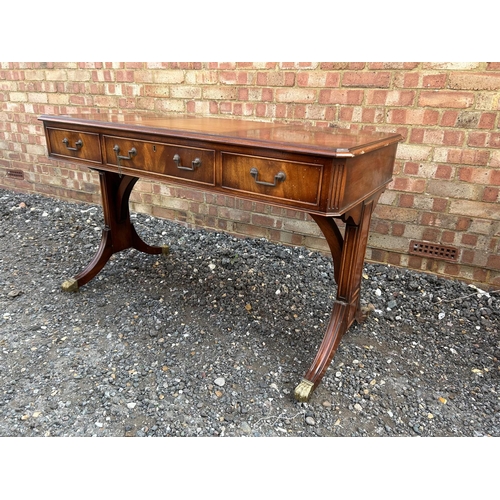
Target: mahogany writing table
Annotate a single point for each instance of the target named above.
(327, 172)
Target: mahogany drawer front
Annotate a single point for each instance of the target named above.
(187, 163)
(74, 144)
(272, 178)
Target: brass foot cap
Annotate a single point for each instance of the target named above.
(165, 249)
(304, 390)
(70, 285)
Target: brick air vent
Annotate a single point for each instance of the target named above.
(15, 174)
(433, 250)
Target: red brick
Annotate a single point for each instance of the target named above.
(390, 97)
(261, 109)
(434, 81)
(250, 230)
(494, 140)
(494, 262)
(394, 259)
(398, 229)
(299, 111)
(487, 120)
(469, 239)
(478, 139)
(124, 76)
(369, 115)
(495, 177)
(474, 81)
(443, 172)
(463, 224)
(407, 80)
(451, 269)
(376, 96)
(439, 204)
(475, 175)
(346, 114)
(411, 168)
(235, 77)
(406, 200)
(413, 116)
(431, 234)
(467, 256)
(378, 255)
(266, 221)
(318, 79)
(495, 158)
(415, 262)
(433, 136)
(133, 65)
(380, 226)
(446, 99)
(448, 237)
(366, 79)
(481, 276)
(453, 137)
(267, 94)
(468, 156)
(491, 194)
(342, 96)
(221, 65)
(449, 118)
(242, 94)
(417, 136)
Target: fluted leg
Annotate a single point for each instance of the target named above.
(348, 256)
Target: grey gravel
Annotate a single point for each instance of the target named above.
(212, 339)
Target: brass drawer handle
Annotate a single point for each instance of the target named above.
(131, 153)
(278, 177)
(194, 164)
(78, 144)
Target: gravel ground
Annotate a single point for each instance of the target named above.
(212, 339)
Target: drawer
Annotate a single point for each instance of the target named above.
(272, 178)
(190, 164)
(73, 144)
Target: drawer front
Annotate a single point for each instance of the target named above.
(272, 178)
(191, 164)
(73, 144)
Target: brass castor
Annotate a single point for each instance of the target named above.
(70, 285)
(165, 249)
(304, 390)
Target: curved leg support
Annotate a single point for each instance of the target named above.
(118, 233)
(336, 328)
(102, 256)
(348, 256)
(142, 246)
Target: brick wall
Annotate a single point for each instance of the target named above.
(447, 183)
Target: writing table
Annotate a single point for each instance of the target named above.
(331, 174)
